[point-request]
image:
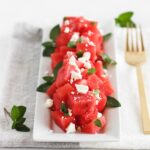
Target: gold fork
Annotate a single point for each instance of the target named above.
(135, 55)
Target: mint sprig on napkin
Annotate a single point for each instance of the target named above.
(17, 116)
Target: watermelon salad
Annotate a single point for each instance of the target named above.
(79, 89)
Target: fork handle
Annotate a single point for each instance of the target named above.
(144, 107)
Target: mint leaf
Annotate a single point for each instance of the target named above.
(17, 112)
(71, 44)
(65, 18)
(15, 123)
(48, 51)
(55, 32)
(93, 23)
(107, 36)
(56, 69)
(49, 79)
(96, 92)
(64, 109)
(43, 87)
(49, 48)
(107, 61)
(91, 71)
(22, 128)
(79, 40)
(79, 53)
(48, 44)
(112, 102)
(97, 123)
(125, 19)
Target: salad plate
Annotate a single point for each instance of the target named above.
(42, 121)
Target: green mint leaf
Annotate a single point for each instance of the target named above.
(79, 53)
(17, 112)
(96, 92)
(43, 87)
(112, 102)
(98, 123)
(71, 44)
(65, 18)
(91, 71)
(56, 69)
(125, 19)
(49, 79)
(48, 44)
(107, 36)
(55, 32)
(107, 61)
(22, 128)
(64, 109)
(93, 23)
(79, 40)
(19, 122)
(48, 51)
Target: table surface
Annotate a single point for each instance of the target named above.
(42, 12)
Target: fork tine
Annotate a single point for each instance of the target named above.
(137, 40)
(127, 39)
(141, 38)
(132, 42)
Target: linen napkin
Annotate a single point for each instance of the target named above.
(20, 86)
(131, 135)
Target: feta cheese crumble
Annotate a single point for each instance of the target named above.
(75, 76)
(71, 128)
(85, 60)
(49, 103)
(82, 88)
(67, 30)
(74, 37)
(91, 43)
(85, 39)
(70, 112)
(72, 61)
(87, 65)
(90, 33)
(87, 55)
(99, 115)
(97, 101)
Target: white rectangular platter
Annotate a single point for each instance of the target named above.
(42, 131)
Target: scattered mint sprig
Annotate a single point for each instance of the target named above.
(125, 19)
(49, 48)
(91, 71)
(64, 109)
(55, 32)
(107, 61)
(107, 36)
(49, 79)
(17, 116)
(79, 53)
(112, 102)
(98, 123)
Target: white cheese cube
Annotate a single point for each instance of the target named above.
(71, 128)
(82, 88)
(49, 103)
